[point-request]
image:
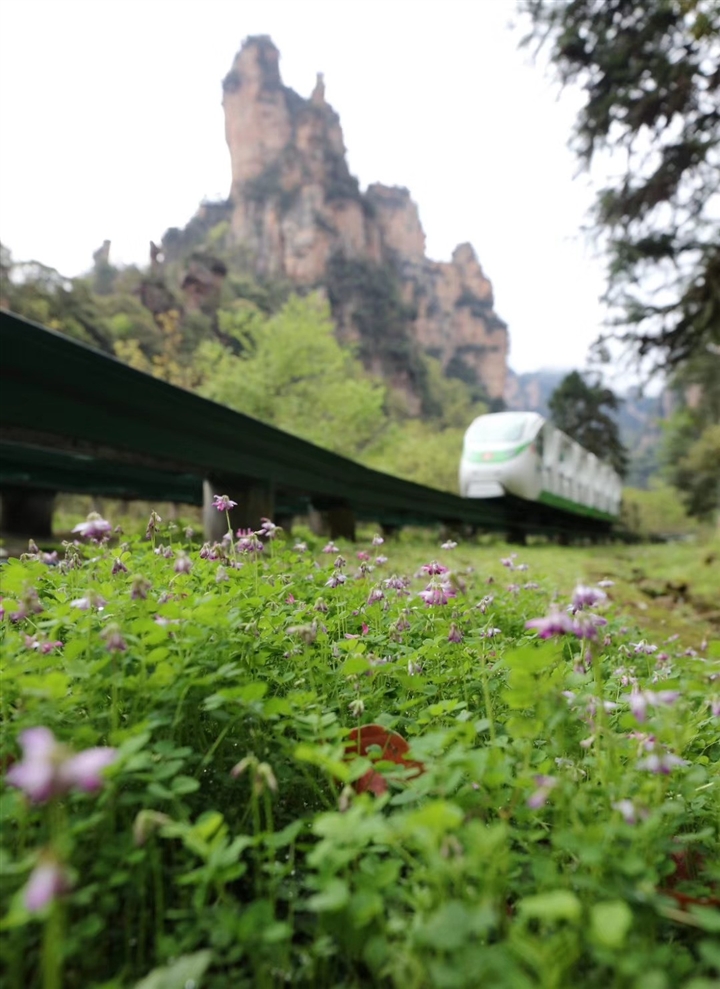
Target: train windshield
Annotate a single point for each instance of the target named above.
(498, 428)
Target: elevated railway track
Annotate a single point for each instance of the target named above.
(73, 419)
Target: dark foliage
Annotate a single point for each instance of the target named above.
(650, 72)
(582, 410)
(371, 294)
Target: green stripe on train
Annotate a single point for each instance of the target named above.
(555, 501)
(496, 456)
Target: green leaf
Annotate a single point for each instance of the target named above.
(187, 971)
(556, 904)
(610, 923)
(333, 897)
(708, 918)
(354, 665)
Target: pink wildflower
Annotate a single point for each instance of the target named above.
(538, 797)
(433, 568)
(94, 528)
(48, 769)
(586, 597)
(48, 881)
(223, 503)
(455, 634)
(183, 563)
(556, 623)
(438, 592)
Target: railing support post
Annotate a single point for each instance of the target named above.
(27, 512)
(341, 520)
(255, 501)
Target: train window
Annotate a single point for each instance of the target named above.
(539, 443)
(499, 428)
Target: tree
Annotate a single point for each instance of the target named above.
(650, 71)
(582, 410)
(292, 373)
(697, 474)
(691, 451)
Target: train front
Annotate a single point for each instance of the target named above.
(499, 456)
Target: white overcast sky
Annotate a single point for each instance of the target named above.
(111, 127)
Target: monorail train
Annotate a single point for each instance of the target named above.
(522, 454)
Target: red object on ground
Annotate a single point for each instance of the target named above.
(393, 747)
(688, 866)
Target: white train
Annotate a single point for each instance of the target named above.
(522, 454)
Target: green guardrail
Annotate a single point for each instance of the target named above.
(73, 418)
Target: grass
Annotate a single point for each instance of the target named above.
(322, 782)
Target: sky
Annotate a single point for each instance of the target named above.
(111, 127)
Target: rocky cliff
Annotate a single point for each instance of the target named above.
(298, 214)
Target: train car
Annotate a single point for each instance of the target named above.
(524, 455)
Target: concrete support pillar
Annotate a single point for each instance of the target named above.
(27, 512)
(389, 530)
(318, 522)
(255, 501)
(341, 521)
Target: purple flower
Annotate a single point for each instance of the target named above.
(715, 707)
(662, 763)
(586, 625)
(48, 769)
(139, 588)
(513, 588)
(454, 635)
(362, 555)
(163, 622)
(330, 548)
(640, 700)
(556, 623)
(433, 568)
(335, 579)
(448, 544)
(248, 541)
(485, 603)
(152, 525)
(398, 584)
(437, 592)
(94, 528)
(376, 594)
(183, 563)
(377, 540)
(586, 597)
(223, 503)
(627, 809)
(606, 583)
(538, 797)
(114, 641)
(522, 567)
(118, 566)
(380, 560)
(509, 561)
(90, 600)
(47, 882)
(490, 633)
(643, 648)
(300, 547)
(268, 529)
